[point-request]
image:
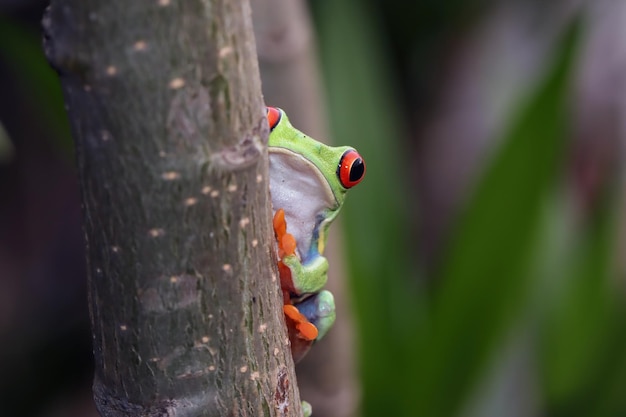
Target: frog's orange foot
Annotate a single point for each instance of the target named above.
(302, 333)
(306, 330)
(286, 247)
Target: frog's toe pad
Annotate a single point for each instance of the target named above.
(288, 244)
(279, 223)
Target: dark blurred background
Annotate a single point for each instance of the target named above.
(483, 252)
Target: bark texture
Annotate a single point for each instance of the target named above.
(166, 111)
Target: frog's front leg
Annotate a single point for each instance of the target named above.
(297, 278)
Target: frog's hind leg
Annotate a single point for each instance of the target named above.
(319, 309)
(308, 321)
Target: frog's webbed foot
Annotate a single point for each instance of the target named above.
(302, 333)
(307, 410)
(309, 320)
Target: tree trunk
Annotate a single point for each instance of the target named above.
(166, 111)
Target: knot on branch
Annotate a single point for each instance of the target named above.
(239, 156)
(281, 394)
(243, 154)
(57, 40)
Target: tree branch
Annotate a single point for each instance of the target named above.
(167, 115)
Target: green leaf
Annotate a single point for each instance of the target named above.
(487, 269)
(584, 345)
(22, 50)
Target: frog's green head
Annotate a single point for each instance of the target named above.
(308, 180)
(342, 167)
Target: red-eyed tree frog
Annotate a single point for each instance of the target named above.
(308, 185)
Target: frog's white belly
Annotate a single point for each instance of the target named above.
(299, 188)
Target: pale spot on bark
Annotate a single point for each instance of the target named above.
(111, 70)
(210, 316)
(176, 83)
(164, 2)
(115, 249)
(255, 242)
(211, 368)
(156, 232)
(232, 188)
(190, 201)
(244, 222)
(215, 193)
(276, 351)
(206, 190)
(259, 178)
(255, 375)
(273, 277)
(170, 175)
(262, 328)
(98, 271)
(243, 369)
(162, 154)
(123, 327)
(140, 45)
(227, 267)
(155, 299)
(205, 339)
(87, 87)
(194, 374)
(225, 51)
(286, 341)
(105, 135)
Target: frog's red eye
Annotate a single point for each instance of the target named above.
(273, 117)
(351, 169)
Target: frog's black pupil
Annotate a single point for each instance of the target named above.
(357, 170)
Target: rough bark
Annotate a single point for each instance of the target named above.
(166, 111)
(291, 80)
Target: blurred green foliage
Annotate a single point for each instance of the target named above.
(426, 351)
(21, 49)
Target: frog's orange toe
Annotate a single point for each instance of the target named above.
(292, 312)
(307, 331)
(288, 244)
(279, 223)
